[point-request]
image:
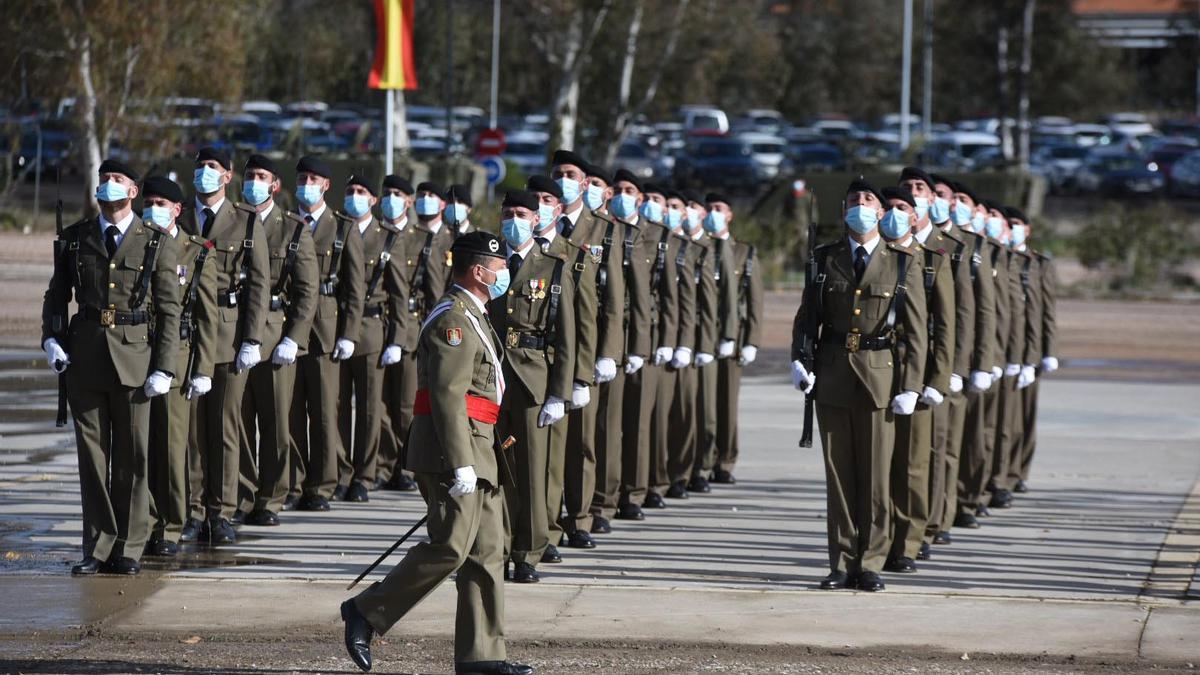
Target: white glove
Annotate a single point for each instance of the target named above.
(663, 354)
(801, 378)
(956, 384)
(581, 396)
(285, 352)
(749, 353)
(703, 359)
(931, 397)
(725, 349)
(633, 363)
(391, 355)
(1027, 376)
(56, 357)
(248, 357)
(997, 373)
(905, 403)
(199, 386)
(606, 370)
(1012, 369)
(682, 358)
(157, 384)
(553, 410)
(342, 349)
(1050, 364)
(464, 481)
(981, 380)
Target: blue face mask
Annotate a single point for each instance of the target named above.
(940, 211)
(977, 221)
(309, 195)
(516, 231)
(652, 211)
(692, 222)
(894, 224)
(159, 216)
(207, 180)
(500, 286)
(570, 189)
(961, 215)
(714, 222)
(545, 216)
(995, 227)
(357, 205)
(594, 198)
(861, 219)
(393, 206)
(428, 206)
(922, 207)
(256, 192)
(455, 213)
(1018, 235)
(112, 191)
(624, 205)
(674, 218)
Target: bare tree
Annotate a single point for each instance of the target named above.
(1002, 86)
(569, 54)
(1023, 83)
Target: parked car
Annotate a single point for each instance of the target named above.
(816, 157)
(635, 158)
(1089, 135)
(704, 118)
(1114, 172)
(1129, 124)
(1185, 176)
(1060, 163)
(527, 151)
(768, 152)
(723, 162)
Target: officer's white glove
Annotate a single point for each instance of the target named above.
(633, 363)
(199, 386)
(553, 410)
(725, 349)
(662, 355)
(248, 357)
(956, 384)
(931, 397)
(391, 355)
(1012, 369)
(285, 352)
(905, 403)
(157, 384)
(606, 370)
(703, 359)
(682, 358)
(581, 396)
(342, 349)
(749, 353)
(55, 356)
(997, 373)
(801, 378)
(981, 380)
(464, 481)
(1050, 364)
(1027, 376)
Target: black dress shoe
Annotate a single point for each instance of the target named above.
(358, 635)
(191, 530)
(550, 555)
(835, 581)
(901, 565)
(942, 538)
(239, 517)
(220, 531)
(1021, 487)
(151, 545)
(678, 490)
(401, 483)
(1001, 499)
(699, 484)
(262, 518)
(524, 573)
(492, 668)
(723, 477)
(600, 525)
(654, 501)
(166, 549)
(870, 582)
(357, 492)
(580, 539)
(126, 566)
(312, 503)
(339, 493)
(630, 512)
(966, 520)
(86, 567)
(290, 503)
(923, 554)
(981, 511)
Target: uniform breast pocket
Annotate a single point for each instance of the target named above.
(89, 271)
(135, 335)
(878, 300)
(881, 358)
(836, 298)
(485, 374)
(529, 305)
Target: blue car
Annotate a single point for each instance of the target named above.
(719, 162)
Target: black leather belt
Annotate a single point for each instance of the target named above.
(113, 317)
(856, 342)
(372, 311)
(516, 339)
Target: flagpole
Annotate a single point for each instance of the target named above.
(388, 134)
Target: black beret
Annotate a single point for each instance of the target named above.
(655, 188)
(690, 195)
(219, 156)
(430, 186)
(394, 182)
(364, 181)
(479, 243)
(111, 165)
(915, 173)
(520, 198)
(627, 176)
(597, 171)
(962, 187)
(676, 194)
(313, 165)
(714, 197)
(459, 193)
(1013, 213)
(904, 194)
(539, 183)
(257, 161)
(861, 185)
(938, 178)
(567, 157)
(161, 186)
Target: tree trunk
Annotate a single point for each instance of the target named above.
(565, 108)
(1003, 94)
(626, 83)
(85, 106)
(1023, 84)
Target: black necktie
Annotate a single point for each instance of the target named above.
(514, 264)
(860, 262)
(110, 240)
(567, 226)
(209, 216)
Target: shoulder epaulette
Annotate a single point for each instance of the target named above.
(241, 206)
(342, 216)
(899, 249)
(827, 245)
(77, 223)
(197, 239)
(292, 216)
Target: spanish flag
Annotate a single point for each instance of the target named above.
(393, 67)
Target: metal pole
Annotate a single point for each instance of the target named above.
(496, 59)
(389, 133)
(927, 77)
(906, 76)
(449, 87)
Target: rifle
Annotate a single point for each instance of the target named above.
(811, 318)
(57, 324)
(187, 319)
